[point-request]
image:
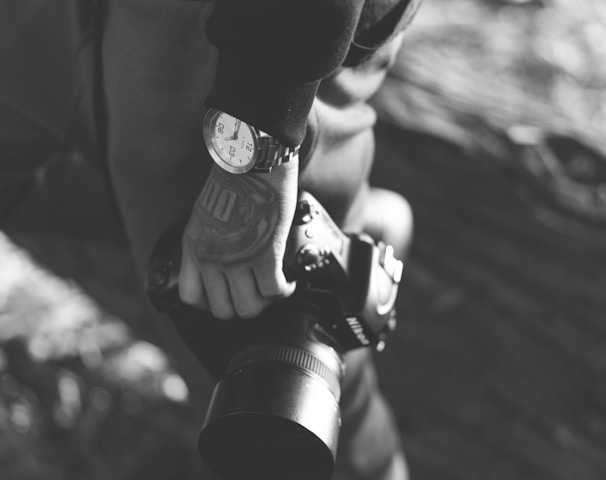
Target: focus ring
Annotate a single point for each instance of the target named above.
(296, 357)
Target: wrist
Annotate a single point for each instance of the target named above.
(283, 177)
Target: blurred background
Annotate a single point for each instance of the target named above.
(492, 125)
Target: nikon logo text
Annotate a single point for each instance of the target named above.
(357, 330)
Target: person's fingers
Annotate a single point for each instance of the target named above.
(191, 289)
(388, 217)
(274, 285)
(248, 301)
(218, 294)
(241, 292)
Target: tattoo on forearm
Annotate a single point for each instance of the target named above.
(234, 218)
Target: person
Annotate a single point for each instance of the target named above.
(300, 70)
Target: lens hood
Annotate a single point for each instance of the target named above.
(275, 415)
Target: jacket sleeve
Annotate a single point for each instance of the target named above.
(272, 56)
(380, 21)
(274, 53)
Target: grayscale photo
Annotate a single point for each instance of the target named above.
(302, 240)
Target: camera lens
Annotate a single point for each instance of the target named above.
(275, 413)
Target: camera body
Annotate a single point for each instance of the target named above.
(359, 277)
(275, 411)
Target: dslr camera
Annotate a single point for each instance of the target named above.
(274, 413)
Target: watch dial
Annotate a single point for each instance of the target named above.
(234, 141)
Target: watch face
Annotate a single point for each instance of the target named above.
(231, 142)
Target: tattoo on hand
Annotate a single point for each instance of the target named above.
(234, 218)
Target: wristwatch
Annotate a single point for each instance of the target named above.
(238, 147)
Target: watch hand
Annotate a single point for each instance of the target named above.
(238, 123)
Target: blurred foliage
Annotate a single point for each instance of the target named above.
(520, 83)
(548, 50)
(79, 396)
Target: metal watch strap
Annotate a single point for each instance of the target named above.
(273, 154)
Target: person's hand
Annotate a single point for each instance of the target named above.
(234, 242)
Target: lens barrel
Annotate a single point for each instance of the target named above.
(275, 414)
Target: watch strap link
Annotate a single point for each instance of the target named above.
(273, 154)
